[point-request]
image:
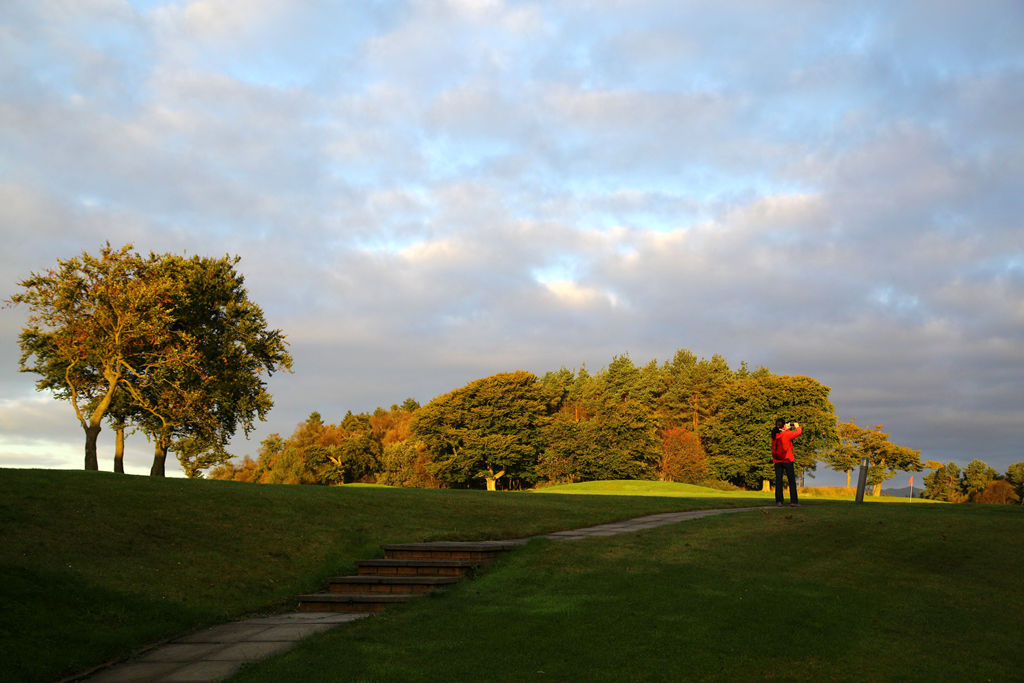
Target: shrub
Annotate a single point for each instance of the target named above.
(998, 492)
(829, 490)
(721, 485)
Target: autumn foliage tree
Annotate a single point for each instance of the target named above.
(172, 343)
(92, 320)
(223, 352)
(975, 483)
(997, 492)
(682, 457)
(353, 450)
(691, 419)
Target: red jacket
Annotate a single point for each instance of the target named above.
(782, 445)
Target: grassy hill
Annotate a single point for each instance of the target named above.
(825, 592)
(94, 565)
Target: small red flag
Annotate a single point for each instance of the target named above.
(911, 480)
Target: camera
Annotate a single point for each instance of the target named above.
(791, 425)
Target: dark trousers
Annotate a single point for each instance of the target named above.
(786, 467)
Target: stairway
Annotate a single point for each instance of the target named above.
(408, 570)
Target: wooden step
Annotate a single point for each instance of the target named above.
(458, 568)
(408, 570)
(483, 551)
(389, 584)
(351, 602)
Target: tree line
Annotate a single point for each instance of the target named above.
(976, 483)
(170, 345)
(691, 420)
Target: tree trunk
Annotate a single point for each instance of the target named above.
(492, 480)
(159, 457)
(91, 433)
(766, 485)
(93, 424)
(119, 451)
(848, 478)
(877, 490)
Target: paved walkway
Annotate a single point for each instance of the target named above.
(648, 522)
(218, 652)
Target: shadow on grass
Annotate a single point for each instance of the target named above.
(55, 611)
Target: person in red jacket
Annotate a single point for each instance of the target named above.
(782, 456)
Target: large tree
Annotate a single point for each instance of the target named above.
(843, 457)
(885, 458)
(1015, 475)
(738, 437)
(691, 387)
(603, 425)
(976, 477)
(943, 482)
(489, 429)
(91, 320)
(618, 442)
(169, 401)
(172, 343)
(222, 350)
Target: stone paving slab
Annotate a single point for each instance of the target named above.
(291, 632)
(202, 672)
(226, 633)
(216, 653)
(180, 652)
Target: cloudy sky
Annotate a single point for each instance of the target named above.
(425, 192)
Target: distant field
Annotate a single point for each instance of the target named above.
(666, 488)
(94, 565)
(651, 488)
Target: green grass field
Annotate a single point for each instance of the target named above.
(94, 565)
(839, 592)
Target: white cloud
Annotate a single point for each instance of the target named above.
(220, 21)
(426, 192)
(575, 296)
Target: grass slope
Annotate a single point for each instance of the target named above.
(95, 565)
(825, 592)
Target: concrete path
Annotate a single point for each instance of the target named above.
(216, 653)
(648, 522)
